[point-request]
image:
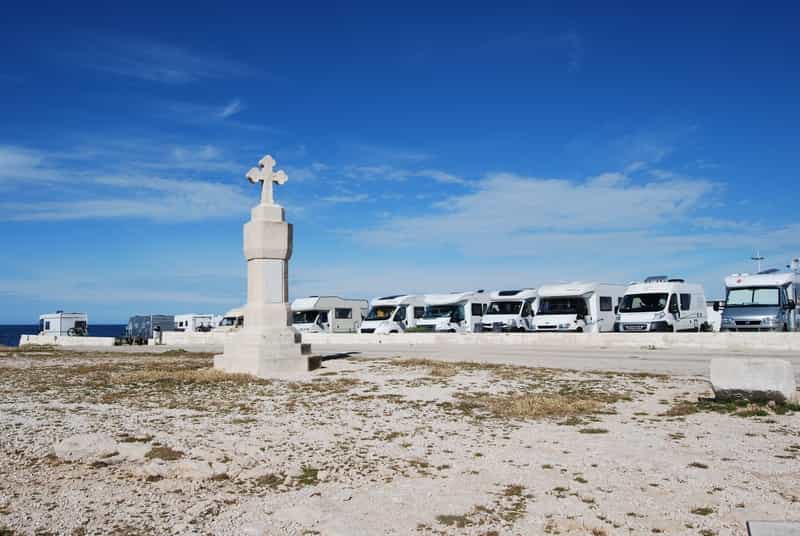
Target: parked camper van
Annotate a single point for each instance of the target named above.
(393, 314)
(766, 301)
(194, 323)
(456, 312)
(232, 320)
(510, 310)
(663, 304)
(61, 323)
(329, 314)
(579, 307)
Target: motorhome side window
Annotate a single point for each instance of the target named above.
(419, 312)
(477, 309)
(343, 314)
(673, 301)
(606, 303)
(400, 315)
(46, 324)
(686, 302)
(323, 317)
(526, 309)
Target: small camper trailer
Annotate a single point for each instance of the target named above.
(191, 322)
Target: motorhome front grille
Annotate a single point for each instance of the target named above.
(546, 326)
(634, 327)
(748, 322)
(367, 330)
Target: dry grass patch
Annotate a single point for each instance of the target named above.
(190, 376)
(163, 453)
(533, 406)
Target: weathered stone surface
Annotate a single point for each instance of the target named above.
(85, 446)
(773, 528)
(753, 379)
(200, 470)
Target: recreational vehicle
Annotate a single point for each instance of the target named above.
(61, 323)
(456, 312)
(766, 301)
(578, 307)
(194, 322)
(393, 314)
(232, 320)
(510, 310)
(663, 304)
(328, 314)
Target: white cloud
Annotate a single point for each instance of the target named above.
(150, 198)
(345, 198)
(232, 108)
(19, 163)
(441, 176)
(516, 215)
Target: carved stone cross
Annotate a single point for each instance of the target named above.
(265, 174)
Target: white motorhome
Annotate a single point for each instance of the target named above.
(766, 301)
(232, 320)
(578, 307)
(456, 312)
(393, 314)
(191, 322)
(663, 304)
(61, 323)
(510, 310)
(329, 314)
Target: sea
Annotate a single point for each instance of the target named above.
(9, 335)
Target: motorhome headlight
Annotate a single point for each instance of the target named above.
(727, 320)
(769, 321)
(659, 315)
(563, 326)
(618, 318)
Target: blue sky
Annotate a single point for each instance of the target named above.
(429, 147)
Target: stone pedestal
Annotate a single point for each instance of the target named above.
(267, 346)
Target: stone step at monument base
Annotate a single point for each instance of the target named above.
(273, 353)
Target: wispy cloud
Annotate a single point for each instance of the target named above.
(155, 61)
(345, 198)
(133, 197)
(231, 109)
(441, 176)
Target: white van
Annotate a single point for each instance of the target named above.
(329, 314)
(456, 312)
(232, 320)
(578, 307)
(510, 310)
(393, 314)
(663, 304)
(766, 301)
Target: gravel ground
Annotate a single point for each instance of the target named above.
(127, 443)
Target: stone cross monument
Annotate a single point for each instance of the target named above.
(267, 346)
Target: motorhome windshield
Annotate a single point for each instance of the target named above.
(304, 317)
(643, 303)
(456, 312)
(753, 297)
(562, 306)
(504, 308)
(381, 312)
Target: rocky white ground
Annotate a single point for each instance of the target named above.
(113, 443)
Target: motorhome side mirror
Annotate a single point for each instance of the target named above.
(673, 308)
(790, 304)
(716, 306)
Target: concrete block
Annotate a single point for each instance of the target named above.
(753, 379)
